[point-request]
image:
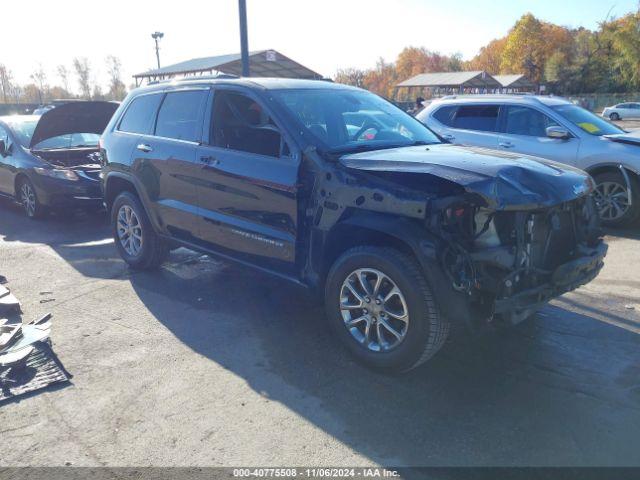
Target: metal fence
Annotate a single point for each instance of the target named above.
(597, 101)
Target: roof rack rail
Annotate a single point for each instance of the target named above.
(221, 76)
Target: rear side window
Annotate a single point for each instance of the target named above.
(180, 115)
(445, 115)
(483, 118)
(527, 121)
(139, 115)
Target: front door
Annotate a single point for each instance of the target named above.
(248, 183)
(525, 131)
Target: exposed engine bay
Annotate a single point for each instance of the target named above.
(510, 262)
(72, 157)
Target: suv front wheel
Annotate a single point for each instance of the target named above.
(381, 307)
(136, 241)
(614, 205)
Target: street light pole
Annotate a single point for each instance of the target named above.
(244, 43)
(157, 36)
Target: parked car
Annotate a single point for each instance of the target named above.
(401, 232)
(51, 161)
(552, 128)
(622, 111)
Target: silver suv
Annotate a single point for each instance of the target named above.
(552, 128)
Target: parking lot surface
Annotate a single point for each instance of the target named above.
(207, 363)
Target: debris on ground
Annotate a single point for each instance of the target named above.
(8, 302)
(27, 362)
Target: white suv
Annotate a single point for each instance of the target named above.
(552, 128)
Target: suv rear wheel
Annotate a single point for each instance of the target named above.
(613, 199)
(381, 307)
(136, 241)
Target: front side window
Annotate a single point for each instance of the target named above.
(140, 113)
(586, 120)
(482, 118)
(527, 121)
(240, 123)
(346, 120)
(180, 115)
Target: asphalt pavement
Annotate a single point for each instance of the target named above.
(207, 363)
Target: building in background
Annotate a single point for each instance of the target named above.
(262, 63)
(517, 83)
(430, 85)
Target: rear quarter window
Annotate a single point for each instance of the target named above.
(445, 115)
(138, 116)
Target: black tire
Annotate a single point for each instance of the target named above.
(632, 214)
(33, 209)
(426, 330)
(614, 117)
(153, 250)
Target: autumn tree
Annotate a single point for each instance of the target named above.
(63, 74)
(40, 79)
(5, 83)
(83, 73)
(350, 76)
(117, 89)
(489, 58)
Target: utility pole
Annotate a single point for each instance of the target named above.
(244, 43)
(157, 36)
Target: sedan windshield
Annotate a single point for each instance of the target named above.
(587, 121)
(352, 120)
(24, 128)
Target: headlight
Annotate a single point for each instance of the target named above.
(60, 173)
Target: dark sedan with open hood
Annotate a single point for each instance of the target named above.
(52, 161)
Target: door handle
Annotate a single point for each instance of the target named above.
(506, 144)
(143, 147)
(209, 160)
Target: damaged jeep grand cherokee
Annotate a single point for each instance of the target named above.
(336, 189)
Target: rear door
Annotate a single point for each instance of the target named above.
(634, 110)
(248, 189)
(475, 125)
(6, 166)
(525, 132)
(165, 160)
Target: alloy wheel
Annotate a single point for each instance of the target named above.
(612, 199)
(374, 310)
(28, 199)
(129, 230)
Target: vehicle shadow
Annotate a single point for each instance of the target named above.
(562, 389)
(75, 237)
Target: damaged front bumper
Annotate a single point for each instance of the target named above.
(564, 278)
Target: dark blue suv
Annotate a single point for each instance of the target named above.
(336, 189)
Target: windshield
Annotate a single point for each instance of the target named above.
(70, 140)
(346, 120)
(587, 121)
(23, 129)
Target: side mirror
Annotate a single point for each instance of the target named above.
(3, 148)
(558, 133)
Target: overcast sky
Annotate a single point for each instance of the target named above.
(322, 34)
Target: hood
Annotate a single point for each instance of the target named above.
(505, 181)
(76, 117)
(629, 138)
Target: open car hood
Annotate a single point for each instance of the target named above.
(629, 138)
(80, 117)
(505, 181)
